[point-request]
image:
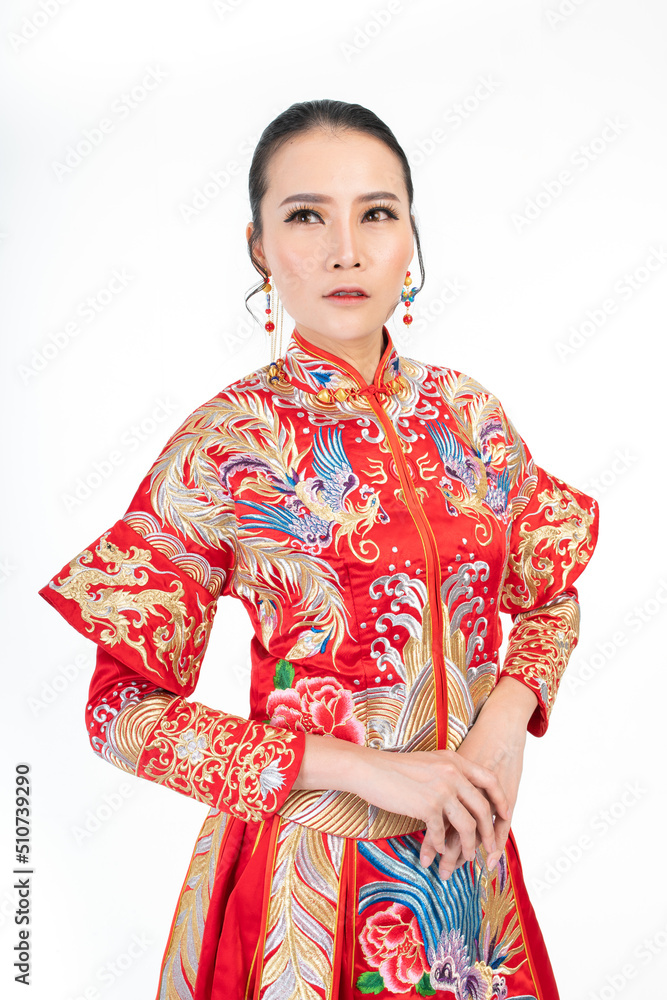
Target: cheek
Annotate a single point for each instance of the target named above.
(394, 261)
(294, 270)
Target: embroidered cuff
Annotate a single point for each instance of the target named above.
(244, 768)
(539, 647)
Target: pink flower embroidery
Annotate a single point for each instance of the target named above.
(392, 943)
(318, 705)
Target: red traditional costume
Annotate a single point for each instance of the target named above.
(374, 534)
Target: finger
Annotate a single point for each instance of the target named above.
(452, 854)
(479, 806)
(502, 827)
(484, 779)
(464, 824)
(434, 839)
(451, 864)
(426, 854)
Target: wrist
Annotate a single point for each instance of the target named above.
(511, 703)
(330, 764)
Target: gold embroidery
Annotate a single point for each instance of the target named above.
(499, 905)
(197, 751)
(292, 952)
(254, 781)
(181, 959)
(568, 534)
(122, 615)
(399, 727)
(133, 724)
(198, 778)
(540, 644)
(211, 578)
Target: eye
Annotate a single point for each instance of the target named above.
(301, 210)
(381, 208)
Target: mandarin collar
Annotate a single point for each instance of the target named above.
(310, 367)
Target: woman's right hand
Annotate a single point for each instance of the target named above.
(439, 787)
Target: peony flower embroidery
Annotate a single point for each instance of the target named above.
(392, 943)
(319, 705)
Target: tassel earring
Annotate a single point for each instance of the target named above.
(408, 296)
(275, 330)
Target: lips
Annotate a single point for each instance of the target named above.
(344, 290)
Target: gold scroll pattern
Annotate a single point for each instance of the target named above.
(561, 541)
(219, 759)
(116, 613)
(540, 644)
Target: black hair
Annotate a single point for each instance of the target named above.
(298, 119)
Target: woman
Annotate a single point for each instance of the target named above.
(375, 515)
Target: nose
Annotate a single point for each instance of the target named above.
(344, 244)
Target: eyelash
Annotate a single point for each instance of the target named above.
(305, 208)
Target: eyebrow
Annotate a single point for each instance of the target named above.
(325, 200)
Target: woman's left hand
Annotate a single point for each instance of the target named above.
(496, 740)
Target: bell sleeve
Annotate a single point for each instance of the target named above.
(146, 592)
(553, 532)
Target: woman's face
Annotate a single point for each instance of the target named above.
(336, 214)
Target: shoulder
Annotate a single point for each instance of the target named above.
(480, 417)
(246, 397)
(460, 390)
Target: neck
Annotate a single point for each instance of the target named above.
(363, 353)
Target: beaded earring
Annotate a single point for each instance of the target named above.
(275, 330)
(408, 296)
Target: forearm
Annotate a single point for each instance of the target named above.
(512, 701)
(501, 725)
(242, 767)
(330, 763)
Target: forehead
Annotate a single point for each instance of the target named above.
(340, 165)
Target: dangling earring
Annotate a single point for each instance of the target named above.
(407, 296)
(275, 330)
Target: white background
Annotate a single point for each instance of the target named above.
(584, 387)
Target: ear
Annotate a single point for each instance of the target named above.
(257, 250)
